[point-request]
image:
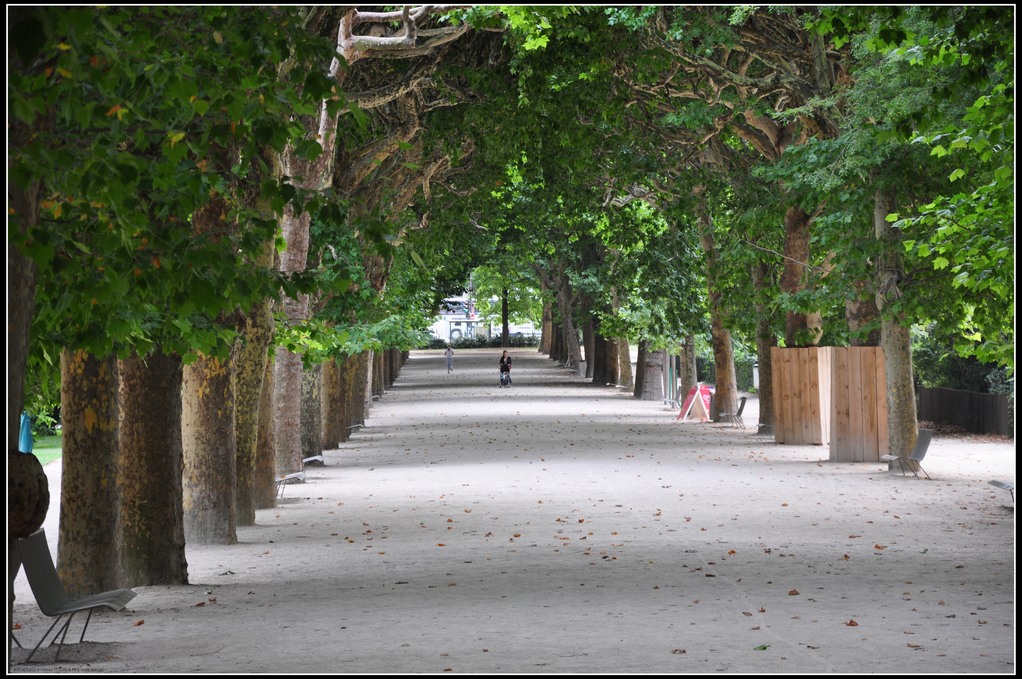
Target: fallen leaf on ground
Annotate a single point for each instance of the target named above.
(852, 623)
(793, 592)
(135, 624)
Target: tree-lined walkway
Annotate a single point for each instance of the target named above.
(559, 527)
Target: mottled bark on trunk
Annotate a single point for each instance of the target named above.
(588, 344)
(287, 390)
(209, 476)
(572, 348)
(653, 367)
(794, 276)
(312, 411)
(547, 334)
(902, 425)
(287, 378)
(765, 340)
(726, 384)
(624, 361)
(358, 408)
(863, 317)
(367, 396)
(151, 517)
(88, 497)
(640, 372)
(557, 352)
(332, 402)
(379, 366)
(687, 374)
(264, 487)
(250, 360)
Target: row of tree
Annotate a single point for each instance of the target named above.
(202, 235)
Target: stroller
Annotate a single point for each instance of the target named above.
(505, 379)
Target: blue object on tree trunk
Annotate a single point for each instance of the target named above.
(25, 437)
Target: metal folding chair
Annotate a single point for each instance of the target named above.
(735, 418)
(917, 454)
(50, 595)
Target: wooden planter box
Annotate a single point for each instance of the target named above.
(832, 396)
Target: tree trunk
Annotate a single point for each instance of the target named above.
(863, 318)
(505, 321)
(28, 493)
(687, 374)
(588, 344)
(209, 476)
(332, 402)
(624, 362)
(287, 377)
(640, 373)
(557, 352)
(612, 362)
(726, 386)
(151, 517)
(358, 408)
(88, 498)
(794, 275)
(379, 366)
(901, 398)
(596, 365)
(369, 380)
(312, 411)
(264, 486)
(547, 334)
(572, 348)
(765, 340)
(652, 369)
(726, 392)
(250, 361)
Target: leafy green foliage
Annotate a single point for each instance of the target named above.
(146, 132)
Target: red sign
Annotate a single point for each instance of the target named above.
(701, 405)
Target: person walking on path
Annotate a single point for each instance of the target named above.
(449, 355)
(505, 369)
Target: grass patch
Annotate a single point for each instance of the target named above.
(47, 449)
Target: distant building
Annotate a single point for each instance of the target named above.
(458, 318)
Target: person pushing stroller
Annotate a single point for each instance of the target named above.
(505, 369)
